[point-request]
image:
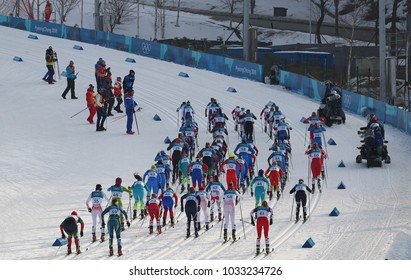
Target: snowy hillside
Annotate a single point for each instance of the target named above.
(50, 163)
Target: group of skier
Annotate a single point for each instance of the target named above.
(203, 197)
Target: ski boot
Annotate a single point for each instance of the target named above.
(207, 226)
(270, 195)
(323, 174)
(120, 253)
(102, 238)
(198, 226)
(78, 251)
(220, 217)
(141, 214)
(188, 233)
(233, 235)
(94, 237)
(111, 252)
(267, 248)
(68, 250)
(196, 233)
(172, 221)
(297, 216)
(257, 249)
(278, 195)
(313, 188)
(225, 235)
(150, 229)
(211, 217)
(319, 184)
(305, 216)
(134, 214)
(158, 229)
(164, 222)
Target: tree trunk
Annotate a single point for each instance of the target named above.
(336, 22)
(394, 15)
(320, 21)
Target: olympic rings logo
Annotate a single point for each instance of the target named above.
(145, 48)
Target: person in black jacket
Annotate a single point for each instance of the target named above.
(192, 206)
(300, 198)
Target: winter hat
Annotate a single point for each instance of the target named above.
(99, 187)
(201, 188)
(231, 155)
(74, 213)
(132, 73)
(91, 86)
(118, 78)
(260, 172)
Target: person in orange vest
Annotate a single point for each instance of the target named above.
(91, 99)
(47, 11)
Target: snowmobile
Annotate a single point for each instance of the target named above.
(373, 154)
(331, 109)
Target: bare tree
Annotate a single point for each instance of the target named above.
(232, 5)
(322, 6)
(120, 12)
(64, 7)
(7, 7)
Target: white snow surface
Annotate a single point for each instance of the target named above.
(50, 163)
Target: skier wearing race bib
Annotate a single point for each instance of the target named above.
(261, 185)
(96, 197)
(117, 192)
(264, 216)
(216, 190)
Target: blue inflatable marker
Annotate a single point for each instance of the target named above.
(31, 36)
(335, 212)
(341, 186)
(156, 118)
(231, 89)
(183, 74)
(331, 142)
(309, 243)
(167, 140)
(60, 242)
(131, 60)
(18, 58)
(341, 164)
(77, 47)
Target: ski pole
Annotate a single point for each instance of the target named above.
(261, 121)
(325, 143)
(242, 220)
(178, 120)
(221, 230)
(292, 208)
(305, 136)
(79, 112)
(135, 118)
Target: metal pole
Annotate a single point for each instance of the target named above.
(178, 14)
(246, 26)
(309, 28)
(382, 47)
(138, 18)
(82, 9)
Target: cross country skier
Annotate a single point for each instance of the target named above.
(69, 225)
(247, 151)
(300, 198)
(163, 171)
(318, 132)
(117, 192)
(170, 201)
(138, 189)
(115, 213)
(230, 200)
(154, 209)
(248, 123)
(191, 208)
(317, 156)
(264, 216)
(176, 148)
(196, 169)
(216, 190)
(274, 173)
(230, 166)
(96, 197)
(207, 154)
(183, 170)
(152, 181)
(261, 187)
(204, 205)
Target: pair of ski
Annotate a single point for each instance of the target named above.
(299, 219)
(200, 233)
(229, 240)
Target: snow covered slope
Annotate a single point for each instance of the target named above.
(49, 163)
